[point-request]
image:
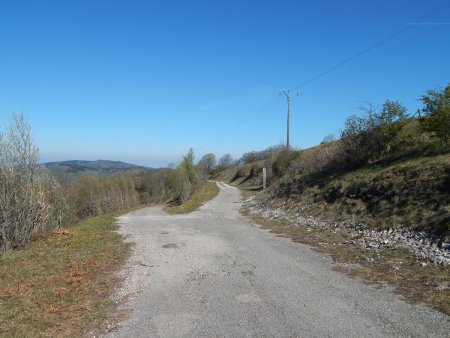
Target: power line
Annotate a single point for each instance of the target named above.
(327, 71)
(375, 45)
(259, 120)
(242, 122)
(417, 37)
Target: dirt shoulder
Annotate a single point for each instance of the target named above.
(412, 262)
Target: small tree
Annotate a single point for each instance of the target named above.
(206, 165)
(391, 112)
(392, 119)
(254, 156)
(226, 161)
(360, 139)
(282, 160)
(184, 177)
(437, 113)
(370, 136)
(187, 165)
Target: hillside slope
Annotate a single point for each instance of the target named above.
(412, 192)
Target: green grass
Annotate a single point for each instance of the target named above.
(394, 266)
(408, 189)
(206, 192)
(410, 192)
(59, 286)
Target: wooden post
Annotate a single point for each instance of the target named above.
(264, 178)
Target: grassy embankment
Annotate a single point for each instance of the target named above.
(411, 191)
(407, 191)
(59, 286)
(206, 192)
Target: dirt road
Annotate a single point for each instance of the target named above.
(213, 273)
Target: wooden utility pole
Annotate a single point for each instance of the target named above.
(288, 93)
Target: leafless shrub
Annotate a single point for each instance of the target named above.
(92, 195)
(279, 162)
(30, 199)
(254, 156)
(321, 160)
(205, 166)
(184, 186)
(226, 161)
(51, 200)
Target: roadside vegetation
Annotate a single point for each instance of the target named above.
(59, 286)
(190, 181)
(388, 169)
(34, 202)
(206, 192)
(58, 247)
(176, 186)
(30, 198)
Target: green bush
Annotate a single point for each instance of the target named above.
(282, 161)
(369, 137)
(437, 114)
(409, 136)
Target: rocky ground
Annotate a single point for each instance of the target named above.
(427, 248)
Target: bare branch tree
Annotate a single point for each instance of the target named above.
(30, 199)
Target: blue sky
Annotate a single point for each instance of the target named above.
(143, 81)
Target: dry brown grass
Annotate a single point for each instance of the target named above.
(59, 286)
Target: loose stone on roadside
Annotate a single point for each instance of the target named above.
(424, 246)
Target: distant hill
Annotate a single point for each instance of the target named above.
(77, 168)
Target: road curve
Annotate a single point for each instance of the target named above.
(213, 273)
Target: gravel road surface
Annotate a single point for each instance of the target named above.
(213, 273)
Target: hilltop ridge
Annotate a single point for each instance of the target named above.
(73, 169)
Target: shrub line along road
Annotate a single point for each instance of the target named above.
(213, 273)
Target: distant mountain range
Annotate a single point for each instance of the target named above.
(76, 168)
